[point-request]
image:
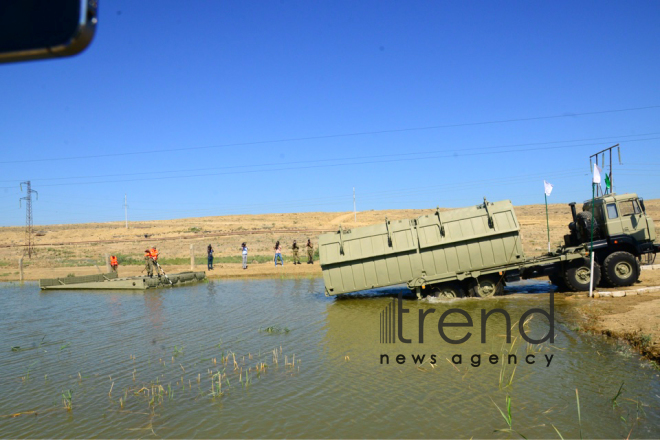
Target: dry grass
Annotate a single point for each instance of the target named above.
(174, 237)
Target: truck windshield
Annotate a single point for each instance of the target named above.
(629, 207)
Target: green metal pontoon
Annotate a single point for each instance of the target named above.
(110, 281)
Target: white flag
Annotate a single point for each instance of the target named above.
(597, 171)
(548, 188)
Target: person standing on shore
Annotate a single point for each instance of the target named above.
(244, 251)
(294, 248)
(278, 253)
(209, 251)
(310, 252)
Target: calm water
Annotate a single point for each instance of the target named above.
(83, 342)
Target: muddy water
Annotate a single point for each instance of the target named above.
(339, 384)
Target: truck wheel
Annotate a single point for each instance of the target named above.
(448, 291)
(577, 275)
(621, 269)
(485, 286)
(558, 281)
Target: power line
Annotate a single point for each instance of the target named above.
(425, 188)
(372, 196)
(366, 162)
(339, 135)
(380, 195)
(161, 172)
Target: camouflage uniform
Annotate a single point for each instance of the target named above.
(149, 263)
(295, 248)
(310, 252)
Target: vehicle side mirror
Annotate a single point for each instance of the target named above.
(38, 29)
(641, 203)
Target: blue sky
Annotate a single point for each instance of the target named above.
(212, 108)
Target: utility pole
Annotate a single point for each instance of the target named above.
(609, 184)
(354, 211)
(595, 187)
(28, 216)
(126, 210)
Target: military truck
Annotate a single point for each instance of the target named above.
(474, 251)
(622, 234)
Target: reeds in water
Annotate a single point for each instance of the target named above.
(577, 397)
(67, 399)
(154, 394)
(216, 391)
(508, 417)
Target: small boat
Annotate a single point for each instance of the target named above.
(110, 281)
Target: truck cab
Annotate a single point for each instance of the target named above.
(622, 220)
(622, 233)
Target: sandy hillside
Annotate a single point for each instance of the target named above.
(75, 248)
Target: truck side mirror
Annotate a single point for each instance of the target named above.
(641, 202)
(38, 29)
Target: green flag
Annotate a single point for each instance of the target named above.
(608, 184)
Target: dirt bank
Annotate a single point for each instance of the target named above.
(633, 318)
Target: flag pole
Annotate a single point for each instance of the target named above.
(547, 219)
(591, 250)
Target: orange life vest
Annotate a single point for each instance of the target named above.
(113, 261)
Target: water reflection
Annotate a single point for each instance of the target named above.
(154, 309)
(210, 288)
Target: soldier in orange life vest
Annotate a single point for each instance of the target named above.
(114, 263)
(153, 253)
(149, 262)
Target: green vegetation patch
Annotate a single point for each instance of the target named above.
(275, 330)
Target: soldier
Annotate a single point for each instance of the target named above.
(296, 260)
(153, 255)
(149, 262)
(310, 252)
(114, 263)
